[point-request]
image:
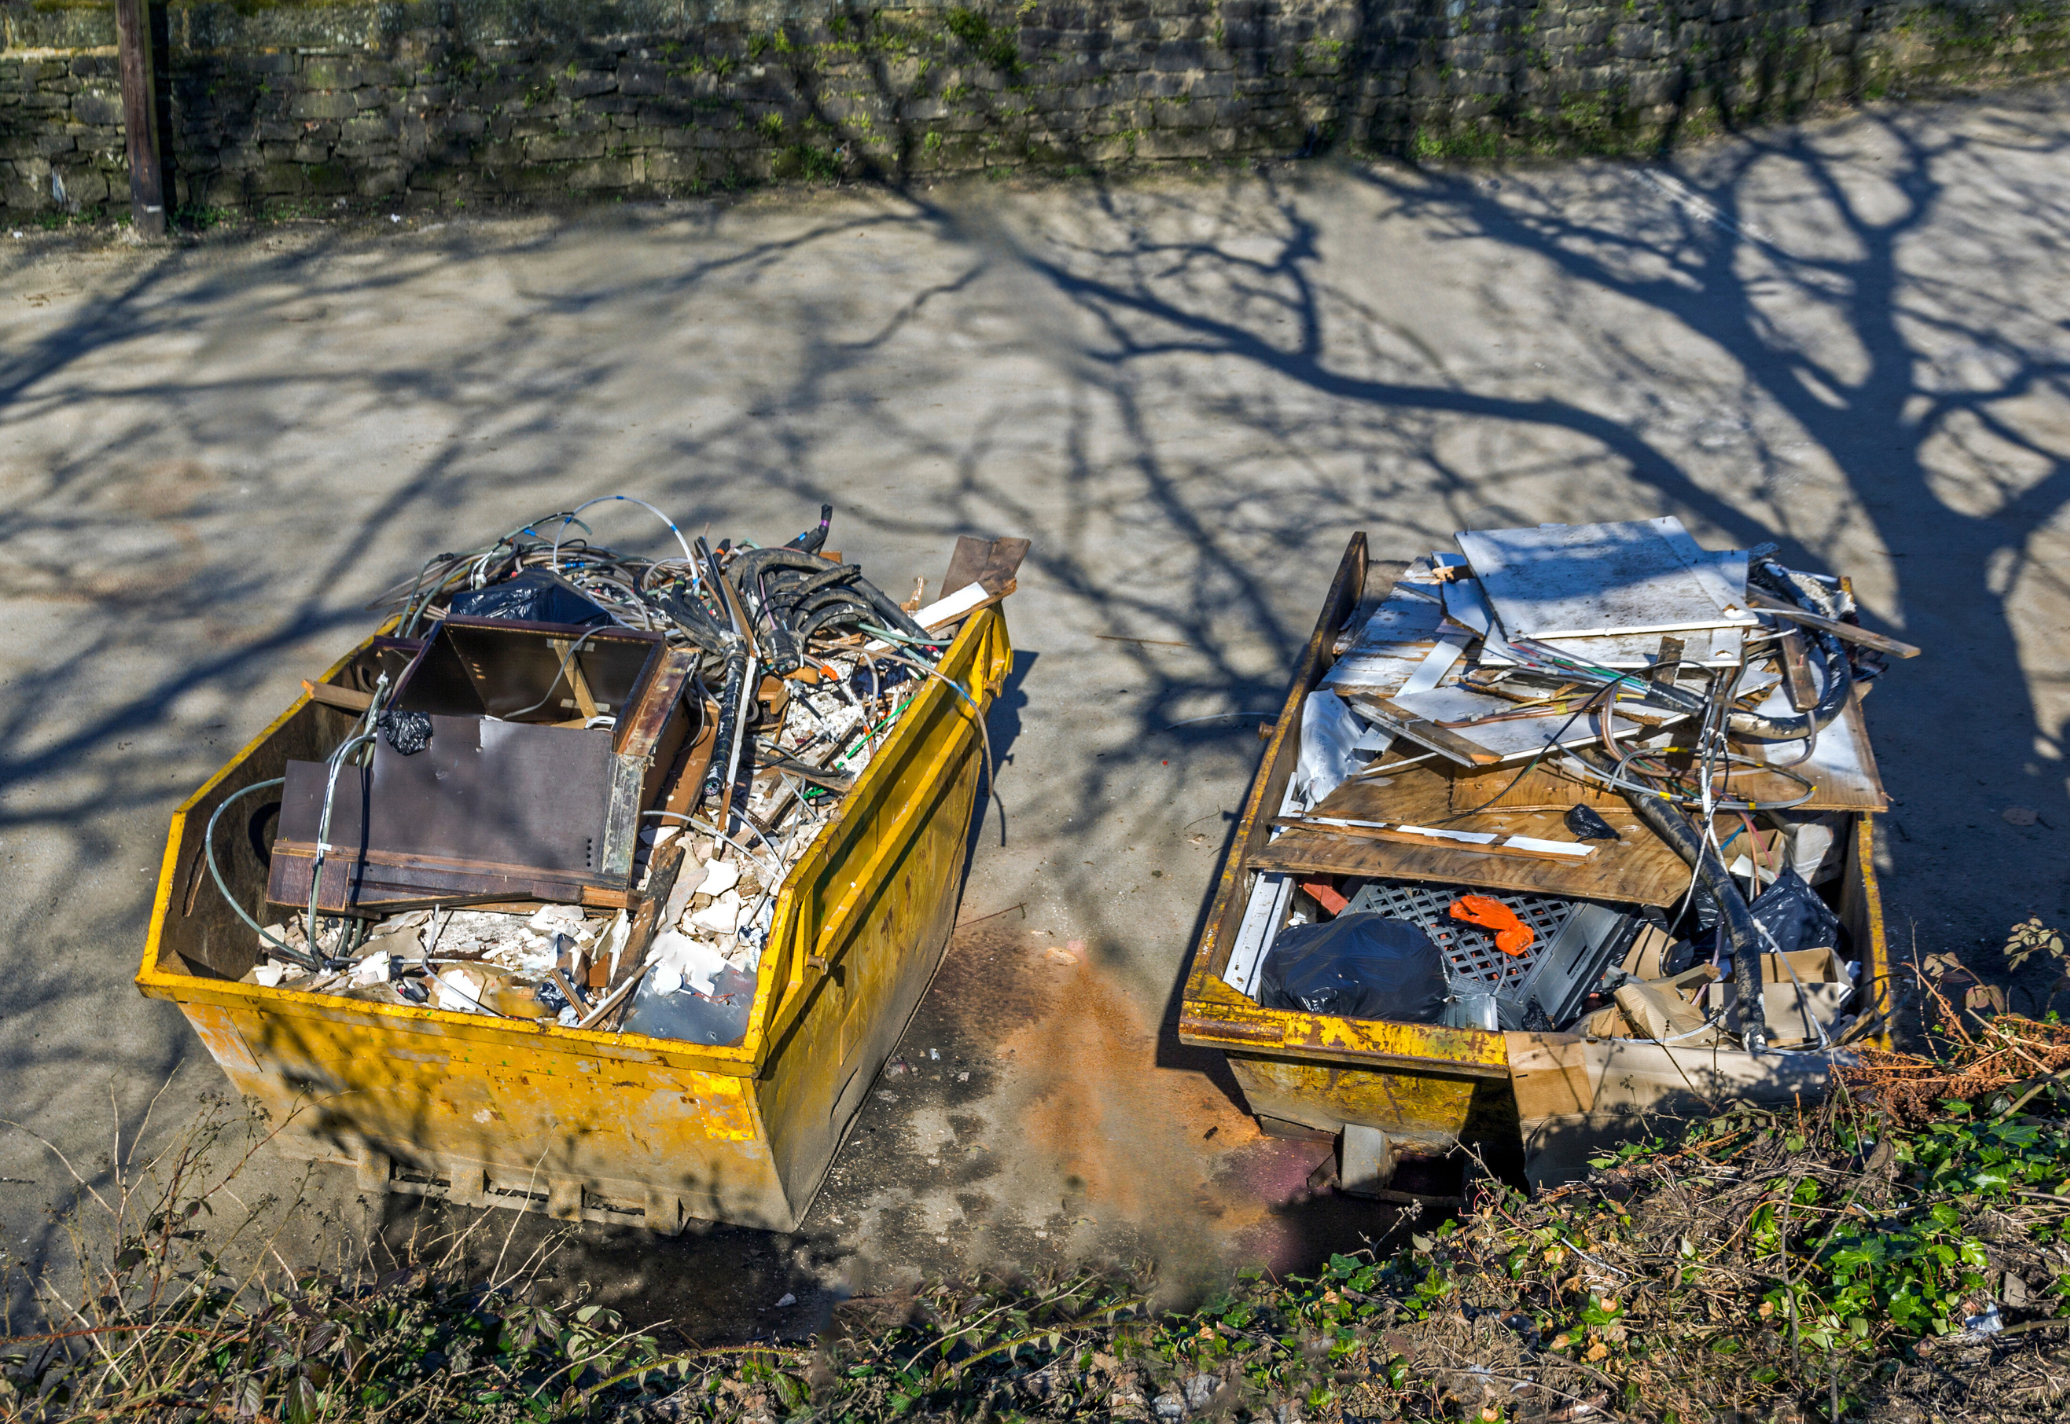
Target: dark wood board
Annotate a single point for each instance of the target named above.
(1640, 869)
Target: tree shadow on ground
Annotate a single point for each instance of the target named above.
(1848, 339)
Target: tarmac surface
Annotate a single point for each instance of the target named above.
(1852, 338)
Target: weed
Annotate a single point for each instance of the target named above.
(994, 46)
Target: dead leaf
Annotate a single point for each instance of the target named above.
(1985, 996)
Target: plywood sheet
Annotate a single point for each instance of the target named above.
(1640, 869)
(1595, 580)
(1842, 767)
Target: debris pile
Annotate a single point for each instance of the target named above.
(1605, 777)
(573, 781)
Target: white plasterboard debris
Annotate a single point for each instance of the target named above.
(1267, 907)
(1329, 742)
(1442, 659)
(1382, 671)
(1598, 580)
(1705, 647)
(1546, 847)
(1466, 605)
(719, 877)
(1470, 837)
(721, 916)
(458, 991)
(1426, 569)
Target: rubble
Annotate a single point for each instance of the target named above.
(578, 779)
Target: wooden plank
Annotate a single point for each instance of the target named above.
(1633, 871)
(1802, 690)
(1268, 786)
(1842, 768)
(1404, 837)
(1640, 869)
(992, 564)
(1540, 788)
(344, 698)
(1846, 631)
(136, 49)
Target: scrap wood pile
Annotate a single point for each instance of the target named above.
(571, 782)
(1587, 779)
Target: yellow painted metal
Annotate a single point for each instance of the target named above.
(611, 1127)
(1425, 1085)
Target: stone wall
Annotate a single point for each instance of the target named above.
(297, 104)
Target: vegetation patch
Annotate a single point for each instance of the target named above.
(1883, 1254)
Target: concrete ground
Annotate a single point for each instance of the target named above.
(1852, 338)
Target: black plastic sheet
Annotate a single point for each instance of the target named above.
(1356, 966)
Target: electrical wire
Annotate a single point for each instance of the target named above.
(308, 961)
(627, 499)
(984, 736)
(559, 673)
(709, 829)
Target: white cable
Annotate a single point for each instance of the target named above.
(569, 518)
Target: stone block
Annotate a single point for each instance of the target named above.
(327, 72)
(586, 83)
(368, 127)
(91, 106)
(379, 181)
(52, 144)
(274, 180)
(637, 79)
(85, 187)
(323, 104)
(273, 63)
(554, 149)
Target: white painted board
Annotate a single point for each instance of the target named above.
(1601, 580)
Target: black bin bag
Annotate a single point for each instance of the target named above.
(534, 596)
(1356, 967)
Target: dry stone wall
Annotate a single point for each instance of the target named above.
(293, 104)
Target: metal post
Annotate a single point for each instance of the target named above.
(134, 47)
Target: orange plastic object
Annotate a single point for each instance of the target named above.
(1325, 895)
(1512, 935)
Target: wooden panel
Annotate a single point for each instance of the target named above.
(1269, 786)
(1843, 768)
(1640, 869)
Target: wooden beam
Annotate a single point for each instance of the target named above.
(136, 55)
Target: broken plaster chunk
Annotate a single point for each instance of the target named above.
(719, 877)
(689, 960)
(371, 970)
(688, 879)
(721, 916)
(550, 920)
(266, 976)
(459, 991)
(614, 942)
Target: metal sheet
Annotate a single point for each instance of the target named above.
(1595, 580)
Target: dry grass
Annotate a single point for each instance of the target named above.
(1899, 1251)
